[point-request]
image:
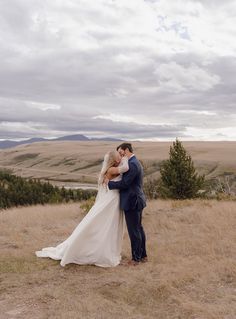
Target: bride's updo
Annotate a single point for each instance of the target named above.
(110, 159)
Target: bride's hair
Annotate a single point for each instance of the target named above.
(109, 161)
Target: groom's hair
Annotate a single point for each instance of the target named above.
(124, 146)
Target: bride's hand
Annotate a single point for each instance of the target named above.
(106, 180)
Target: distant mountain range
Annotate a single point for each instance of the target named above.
(77, 137)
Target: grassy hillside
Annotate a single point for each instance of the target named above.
(74, 162)
(191, 273)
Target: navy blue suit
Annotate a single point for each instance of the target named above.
(132, 201)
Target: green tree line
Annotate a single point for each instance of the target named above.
(18, 191)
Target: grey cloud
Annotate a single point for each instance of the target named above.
(215, 3)
(62, 122)
(40, 63)
(121, 129)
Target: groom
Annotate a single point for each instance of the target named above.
(132, 201)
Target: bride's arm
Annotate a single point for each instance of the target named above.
(122, 168)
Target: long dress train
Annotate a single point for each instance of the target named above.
(97, 240)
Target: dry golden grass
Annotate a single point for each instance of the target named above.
(191, 273)
(81, 161)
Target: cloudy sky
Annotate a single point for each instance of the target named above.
(133, 69)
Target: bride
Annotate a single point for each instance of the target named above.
(97, 239)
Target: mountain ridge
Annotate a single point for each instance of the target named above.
(76, 137)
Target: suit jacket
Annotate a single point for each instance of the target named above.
(131, 187)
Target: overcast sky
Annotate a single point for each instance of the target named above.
(133, 69)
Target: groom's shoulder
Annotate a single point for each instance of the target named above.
(134, 161)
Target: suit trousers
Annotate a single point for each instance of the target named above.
(136, 234)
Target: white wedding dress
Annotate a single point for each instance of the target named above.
(97, 240)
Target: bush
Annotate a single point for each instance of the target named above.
(88, 204)
(151, 188)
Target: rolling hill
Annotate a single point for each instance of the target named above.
(77, 137)
(73, 162)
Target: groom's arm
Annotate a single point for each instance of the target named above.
(127, 179)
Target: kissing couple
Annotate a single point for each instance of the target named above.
(97, 240)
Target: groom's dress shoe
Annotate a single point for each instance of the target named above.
(144, 260)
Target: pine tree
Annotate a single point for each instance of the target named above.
(179, 179)
(16, 191)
